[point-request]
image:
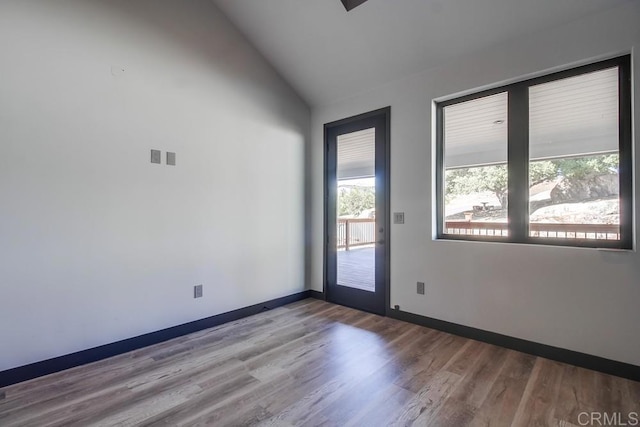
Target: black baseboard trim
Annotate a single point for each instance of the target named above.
(583, 360)
(61, 363)
(317, 295)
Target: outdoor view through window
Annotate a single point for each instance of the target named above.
(573, 169)
(573, 161)
(475, 134)
(356, 210)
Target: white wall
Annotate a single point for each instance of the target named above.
(96, 243)
(580, 299)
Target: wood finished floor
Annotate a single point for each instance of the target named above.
(313, 363)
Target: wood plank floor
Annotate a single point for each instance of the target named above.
(314, 363)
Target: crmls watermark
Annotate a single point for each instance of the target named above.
(608, 419)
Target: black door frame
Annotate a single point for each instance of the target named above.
(383, 164)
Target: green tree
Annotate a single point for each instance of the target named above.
(581, 167)
(495, 178)
(354, 200)
(474, 180)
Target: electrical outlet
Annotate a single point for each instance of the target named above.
(420, 288)
(197, 291)
(155, 156)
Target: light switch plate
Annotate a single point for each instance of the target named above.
(171, 159)
(398, 217)
(420, 288)
(156, 156)
(197, 291)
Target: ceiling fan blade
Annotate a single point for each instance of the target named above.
(350, 4)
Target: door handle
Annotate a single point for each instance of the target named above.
(380, 242)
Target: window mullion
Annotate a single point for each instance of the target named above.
(440, 189)
(518, 162)
(626, 154)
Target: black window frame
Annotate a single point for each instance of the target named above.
(518, 159)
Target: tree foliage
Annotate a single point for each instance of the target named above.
(495, 178)
(477, 179)
(353, 200)
(581, 167)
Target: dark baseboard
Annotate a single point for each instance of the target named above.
(317, 295)
(600, 364)
(50, 366)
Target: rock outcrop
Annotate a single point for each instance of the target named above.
(588, 188)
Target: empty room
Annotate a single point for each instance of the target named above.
(319, 212)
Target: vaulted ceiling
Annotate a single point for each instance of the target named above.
(327, 53)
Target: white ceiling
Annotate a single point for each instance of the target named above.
(327, 54)
(357, 154)
(569, 117)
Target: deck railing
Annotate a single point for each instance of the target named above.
(355, 232)
(536, 229)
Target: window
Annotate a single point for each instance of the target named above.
(547, 160)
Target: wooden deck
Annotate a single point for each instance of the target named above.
(313, 363)
(356, 268)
